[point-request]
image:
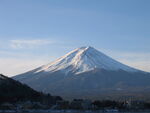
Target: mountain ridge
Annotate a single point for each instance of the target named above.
(86, 72)
(14, 91)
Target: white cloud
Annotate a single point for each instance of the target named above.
(14, 66)
(139, 60)
(19, 44)
(141, 64)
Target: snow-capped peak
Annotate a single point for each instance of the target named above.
(82, 60)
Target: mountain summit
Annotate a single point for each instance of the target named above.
(87, 73)
(82, 60)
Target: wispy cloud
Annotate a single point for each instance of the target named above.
(19, 44)
(14, 66)
(139, 60)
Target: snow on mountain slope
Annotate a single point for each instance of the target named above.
(82, 60)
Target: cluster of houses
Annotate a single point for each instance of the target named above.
(76, 104)
(88, 104)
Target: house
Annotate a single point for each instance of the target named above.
(33, 105)
(86, 104)
(135, 104)
(62, 104)
(7, 106)
(80, 104)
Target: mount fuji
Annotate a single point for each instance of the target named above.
(87, 73)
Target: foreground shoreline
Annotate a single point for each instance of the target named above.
(74, 111)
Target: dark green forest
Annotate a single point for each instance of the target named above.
(14, 91)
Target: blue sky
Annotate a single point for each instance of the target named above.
(35, 32)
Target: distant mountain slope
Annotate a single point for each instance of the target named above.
(14, 91)
(87, 73)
